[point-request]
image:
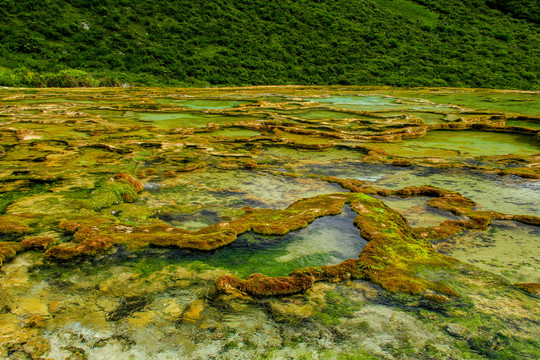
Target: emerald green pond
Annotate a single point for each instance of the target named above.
(188, 120)
(235, 133)
(319, 114)
(505, 101)
(326, 241)
(377, 103)
(203, 103)
(473, 143)
(525, 124)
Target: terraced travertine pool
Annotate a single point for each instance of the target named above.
(269, 223)
(472, 143)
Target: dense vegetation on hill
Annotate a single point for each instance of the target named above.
(474, 43)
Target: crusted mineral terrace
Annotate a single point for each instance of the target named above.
(269, 222)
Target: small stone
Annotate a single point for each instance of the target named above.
(35, 321)
(458, 331)
(402, 163)
(174, 310)
(36, 347)
(289, 309)
(142, 318)
(27, 307)
(193, 311)
(250, 165)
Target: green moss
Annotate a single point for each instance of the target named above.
(9, 197)
(199, 266)
(109, 195)
(147, 266)
(326, 318)
(359, 354)
(338, 305)
(14, 227)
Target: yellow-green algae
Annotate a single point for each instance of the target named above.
(87, 187)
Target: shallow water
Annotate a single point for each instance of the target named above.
(525, 124)
(472, 143)
(203, 103)
(238, 188)
(442, 144)
(526, 103)
(377, 103)
(319, 114)
(508, 248)
(321, 155)
(189, 120)
(326, 241)
(429, 118)
(417, 212)
(507, 194)
(369, 101)
(235, 133)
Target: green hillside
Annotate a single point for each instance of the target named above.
(469, 43)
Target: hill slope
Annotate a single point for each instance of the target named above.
(474, 43)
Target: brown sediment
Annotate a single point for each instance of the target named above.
(530, 288)
(39, 242)
(348, 269)
(141, 174)
(261, 285)
(13, 228)
(192, 166)
(527, 219)
(402, 163)
(8, 250)
(87, 244)
(136, 184)
(236, 164)
(524, 173)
